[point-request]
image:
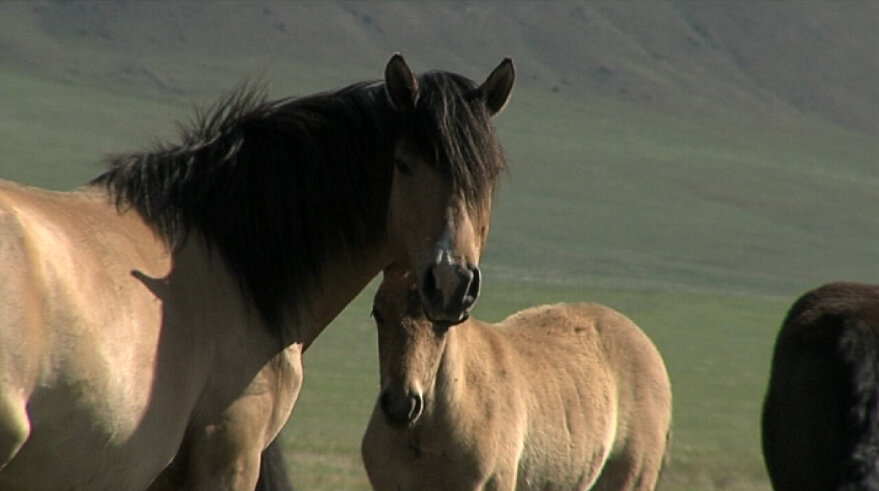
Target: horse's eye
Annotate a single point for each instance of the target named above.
(402, 167)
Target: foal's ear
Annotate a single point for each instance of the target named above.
(400, 85)
(498, 86)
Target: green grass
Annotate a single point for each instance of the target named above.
(610, 191)
(716, 347)
(54, 134)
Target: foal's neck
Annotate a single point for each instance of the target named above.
(451, 376)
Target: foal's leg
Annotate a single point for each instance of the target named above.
(637, 467)
(625, 473)
(501, 481)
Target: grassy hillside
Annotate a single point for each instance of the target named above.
(694, 164)
(724, 146)
(615, 192)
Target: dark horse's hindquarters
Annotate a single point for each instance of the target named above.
(820, 428)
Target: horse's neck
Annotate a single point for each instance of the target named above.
(340, 279)
(339, 282)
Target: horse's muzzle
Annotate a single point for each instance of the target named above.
(449, 290)
(401, 408)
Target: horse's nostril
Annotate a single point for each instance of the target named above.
(448, 291)
(428, 283)
(416, 404)
(472, 293)
(403, 409)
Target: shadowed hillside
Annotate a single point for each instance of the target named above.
(814, 57)
(721, 145)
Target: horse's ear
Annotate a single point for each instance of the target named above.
(400, 85)
(498, 86)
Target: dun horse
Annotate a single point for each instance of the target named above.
(821, 412)
(566, 396)
(154, 320)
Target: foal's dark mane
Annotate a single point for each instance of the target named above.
(280, 187)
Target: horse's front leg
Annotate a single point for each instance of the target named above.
(225, 454)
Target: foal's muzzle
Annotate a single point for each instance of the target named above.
(401, 408)
(449, 290)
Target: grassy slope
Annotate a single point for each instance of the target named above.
(614, 192)
(694, 166)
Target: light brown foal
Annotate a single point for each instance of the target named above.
(565, 396)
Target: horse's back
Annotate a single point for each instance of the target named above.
(66, 262)
(38, 236)
(821, 412)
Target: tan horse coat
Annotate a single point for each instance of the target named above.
(150, 357)
(129, 359)
(566, 396)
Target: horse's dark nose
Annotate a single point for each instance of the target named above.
(401, 409)
(449, 291)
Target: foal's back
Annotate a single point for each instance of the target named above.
(616, 391)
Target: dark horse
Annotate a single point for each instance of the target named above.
(152, 322)
(821, 413)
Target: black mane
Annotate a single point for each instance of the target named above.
(279, 187)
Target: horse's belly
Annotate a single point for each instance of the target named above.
(104, 411)
(92, 441)
(50, 465)
(80, 469)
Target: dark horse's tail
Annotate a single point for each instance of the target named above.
(272, 471)
(821, 413)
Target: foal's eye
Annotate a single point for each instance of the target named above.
(376, 316)
(402, 167)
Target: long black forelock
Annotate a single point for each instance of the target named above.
(452, 123)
